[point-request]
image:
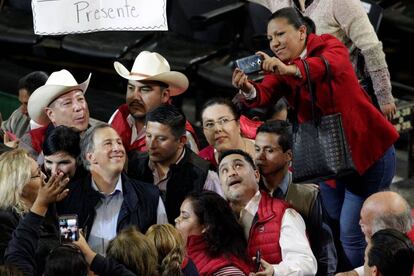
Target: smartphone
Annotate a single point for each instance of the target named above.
(250, 64)
(257, 261)
(68, 226)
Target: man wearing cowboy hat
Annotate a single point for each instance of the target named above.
(60, 101)
(151, 83)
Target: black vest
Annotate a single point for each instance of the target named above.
(187, 176)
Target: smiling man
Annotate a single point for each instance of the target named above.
(61, 101)
(106, 200)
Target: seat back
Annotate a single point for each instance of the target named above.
(180, 13)
(255, 28)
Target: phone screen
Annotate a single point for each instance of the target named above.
(68, 226)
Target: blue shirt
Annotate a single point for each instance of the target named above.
(106, 219)
(281, 190)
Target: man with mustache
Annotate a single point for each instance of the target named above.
(61, 101)
(106, 200)
(169, 163)
(150, 84)
(271, 226)
(273, 154)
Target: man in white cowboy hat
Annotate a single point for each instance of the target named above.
(151, 83)
(60, 101)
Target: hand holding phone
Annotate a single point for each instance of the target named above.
(257, 260)
(250, 64)
(68, 226)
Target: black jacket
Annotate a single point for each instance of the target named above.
(47, 239)
(139, 207)
(188, 175)
(21, 250)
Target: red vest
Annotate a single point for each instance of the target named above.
(38, 136)
(120, 124)
(265, 232)
(206, 265)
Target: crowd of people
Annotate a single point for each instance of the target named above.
(144, 199)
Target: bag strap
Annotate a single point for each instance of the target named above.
(315, 120)
(329, 79)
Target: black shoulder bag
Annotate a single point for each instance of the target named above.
(320, 149)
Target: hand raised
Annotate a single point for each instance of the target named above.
(240, 81)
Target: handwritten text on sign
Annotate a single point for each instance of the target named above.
(56, 17)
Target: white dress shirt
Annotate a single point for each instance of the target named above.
(297, 256)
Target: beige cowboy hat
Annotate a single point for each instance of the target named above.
(58, 84)
(151, 66)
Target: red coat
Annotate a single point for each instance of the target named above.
(38, 137)
(206, 265)
(367, 131)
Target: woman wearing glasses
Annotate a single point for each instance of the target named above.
(221, 127)
(20, 181)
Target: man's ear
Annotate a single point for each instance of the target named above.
(183, 139)
(302, 31)
(374, 270)
(165, 96)
(90, 157)
(257, 175)
(289, 155)
(50, 114)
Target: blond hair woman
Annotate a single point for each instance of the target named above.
(172, 259)
(20, 181)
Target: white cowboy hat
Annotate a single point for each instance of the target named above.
(151, 66)
(58, 84)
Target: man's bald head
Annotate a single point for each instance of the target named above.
(385, 210)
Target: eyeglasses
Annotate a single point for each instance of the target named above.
(221, 122)
(39, 174)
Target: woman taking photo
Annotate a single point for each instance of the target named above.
(221, 128)
(369, 135)
(215, 240)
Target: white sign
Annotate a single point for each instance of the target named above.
(57, 17)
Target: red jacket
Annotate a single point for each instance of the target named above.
(249, 127)
(265, 232)
(38, 137)
(367, 131)
(208, 154)
(206, 265)
(120, 123)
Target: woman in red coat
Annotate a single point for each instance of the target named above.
(369, 135)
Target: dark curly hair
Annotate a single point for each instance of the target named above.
(223, 234)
